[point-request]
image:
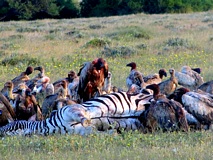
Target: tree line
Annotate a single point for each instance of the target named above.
(40, 9)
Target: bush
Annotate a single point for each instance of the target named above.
(17, 59)
(123, 51)
(97, 42)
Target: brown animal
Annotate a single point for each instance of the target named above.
(155, 78)
(7, 113)
(22, 78)
(163, 114)
(91, 79)
(169, 86)
(27, 107)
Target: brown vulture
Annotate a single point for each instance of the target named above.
(27, 107)
(155, 78)
(7, 113)
(169, 86)
(22, 78)
(91, 79)
(163, 113)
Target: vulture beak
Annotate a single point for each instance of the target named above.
(165, 74)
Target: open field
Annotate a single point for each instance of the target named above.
(152, 41)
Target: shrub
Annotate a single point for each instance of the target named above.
(131, 32)
(97, 42)
(16, 59)
(123, 51)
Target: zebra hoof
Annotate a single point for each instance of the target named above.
(85, 122)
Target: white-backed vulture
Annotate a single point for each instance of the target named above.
(200, 105)
(207, 87)
(189, 78)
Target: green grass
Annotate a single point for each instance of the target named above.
(132, 145)
(152, 41)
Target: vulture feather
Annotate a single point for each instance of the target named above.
(200, 105)
(155, 78)
(169, 86)
(177, 96)
(207, 87)
(163, 113)
(7, 113)
(189, 78)
(22, 78)
(91, 79)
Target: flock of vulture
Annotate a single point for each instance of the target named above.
(182, 96)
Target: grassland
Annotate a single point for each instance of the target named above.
(152, 41)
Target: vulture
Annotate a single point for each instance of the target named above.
(27, 107)
(177, 96)
(155, 78)
(42, 82)
(189, 78)
(73, 85)
(107, 88)
(7, 113)
(50, 100)
(168, 86)
(23, 77)
(134, 77)
(163, 114)
(200, 105)
(91, 79)
(60, 102)
(207, 87)
(9, 93)
(71, 78)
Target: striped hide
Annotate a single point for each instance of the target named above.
(118, 104)
(69, 119)
(116, 110)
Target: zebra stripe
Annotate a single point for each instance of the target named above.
(117, 110)
(65, 120)
(118, 104)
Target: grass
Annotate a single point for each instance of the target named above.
(131, 145)
(152, 41)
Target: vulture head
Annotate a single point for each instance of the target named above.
(162, 72)
(171, 71)
(71, 75)
(132, 65)
(29, 70)
(178, 93)
(156, 91)
(198, 70)
(100, 64)
(9, 84)
(154, 87)
(41, 69)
